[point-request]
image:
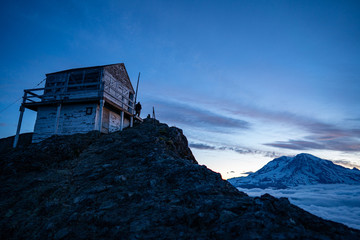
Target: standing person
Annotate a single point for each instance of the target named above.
(138, 109)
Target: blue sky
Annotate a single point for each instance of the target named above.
(245, 80)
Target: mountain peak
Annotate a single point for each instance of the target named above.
(302, 169)
(306, 155)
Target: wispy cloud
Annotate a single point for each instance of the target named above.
(321, 135)
(181, 113)
(346, 163)
(296, 145)
(239, 150)
(201, 146)
(353, 119)
(345, 144)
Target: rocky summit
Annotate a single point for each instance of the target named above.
(141, 183)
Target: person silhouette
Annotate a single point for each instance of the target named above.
(138, 109)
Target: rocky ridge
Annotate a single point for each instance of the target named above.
(141, 183)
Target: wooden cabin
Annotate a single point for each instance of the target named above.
(81, 100)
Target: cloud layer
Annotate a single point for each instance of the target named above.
(240, 150)
(320, 135)
(336, 202)
(187, 114)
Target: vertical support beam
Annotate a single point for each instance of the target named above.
(57, 118)
(101, 84)
(22, 109)
(122, 120)
(65, 89)
(100, 113)
(132, 119)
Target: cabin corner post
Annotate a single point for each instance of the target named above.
(132, 112)
(101, 113)
(57, 117)
(121, 120)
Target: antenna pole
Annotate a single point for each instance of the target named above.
(137, 86)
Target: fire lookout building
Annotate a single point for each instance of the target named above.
(81, 100)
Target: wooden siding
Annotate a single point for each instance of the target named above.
(105, 121)
(114, 122)
(73, 119)
(117, 92)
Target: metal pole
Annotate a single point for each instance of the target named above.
(137, 86)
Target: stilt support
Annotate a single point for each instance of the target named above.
(22, 110)
(101, 113)
(121, 121)
(57, 118)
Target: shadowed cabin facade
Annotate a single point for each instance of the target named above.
(81, 100)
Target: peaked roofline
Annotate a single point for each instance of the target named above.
(82, 68)
(132, 88)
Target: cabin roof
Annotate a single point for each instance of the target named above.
(127, 83)
(82, 68)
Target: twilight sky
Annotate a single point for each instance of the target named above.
(246, 80)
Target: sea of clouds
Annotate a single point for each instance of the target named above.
(336, 202)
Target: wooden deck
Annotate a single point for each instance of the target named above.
(34, 98)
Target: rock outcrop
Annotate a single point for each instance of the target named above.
(141, 183)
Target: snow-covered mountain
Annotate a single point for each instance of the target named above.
(303, 169)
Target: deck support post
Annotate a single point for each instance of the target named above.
(22, 110)
(121, 120)
(57, 118)
(101, 113)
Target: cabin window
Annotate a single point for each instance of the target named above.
(89, 110)
(85, 79)
(54, 83)
(75, 80)
(91, 77)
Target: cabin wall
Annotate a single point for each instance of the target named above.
(117, 89)
(75, 118)
(105, 121)
(126, 122)
(111, 121)
(114, 122)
